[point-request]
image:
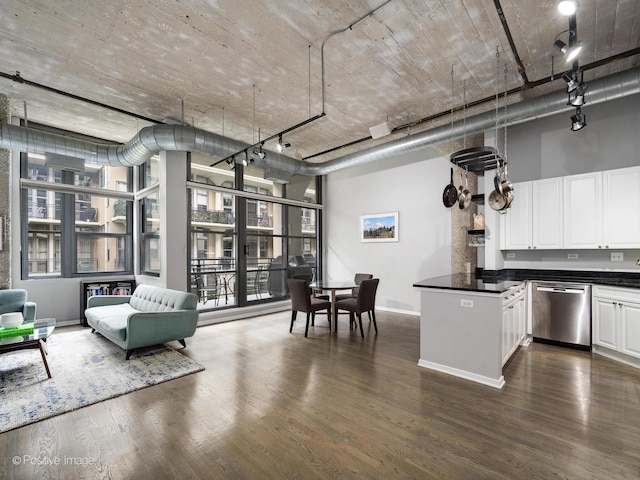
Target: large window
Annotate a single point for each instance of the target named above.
(249, 233)
(73, 222)
(150, 234)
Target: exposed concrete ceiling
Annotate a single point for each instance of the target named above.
(239, 67)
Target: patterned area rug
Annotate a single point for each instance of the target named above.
(86, 368)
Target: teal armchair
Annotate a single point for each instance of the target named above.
(15, 300)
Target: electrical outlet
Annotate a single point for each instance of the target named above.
(513, 255)
(466, 303)
(572, 256)
(617, 256)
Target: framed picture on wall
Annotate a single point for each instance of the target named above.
(379, 227)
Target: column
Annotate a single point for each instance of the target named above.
(5, 202)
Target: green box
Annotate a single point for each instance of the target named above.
(20, 330)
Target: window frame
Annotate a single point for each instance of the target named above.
(69, 236)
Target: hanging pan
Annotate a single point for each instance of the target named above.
(464, 198)
(450, 194)
(497, 201)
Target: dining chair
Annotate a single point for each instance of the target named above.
(357, 279)
(364, 302)
(302, 301)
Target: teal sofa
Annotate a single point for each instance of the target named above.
(150, 316)
(15, 300)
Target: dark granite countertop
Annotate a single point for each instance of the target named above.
(467, 282)
(502, 280)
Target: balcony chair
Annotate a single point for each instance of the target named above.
(364, 302)
(302, 301)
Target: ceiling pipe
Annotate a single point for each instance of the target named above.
(151, 140)
(614, 86)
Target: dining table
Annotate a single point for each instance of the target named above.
(333, 286)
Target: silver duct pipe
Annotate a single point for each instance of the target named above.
(151, 140)
(604, 89)
(146, 143)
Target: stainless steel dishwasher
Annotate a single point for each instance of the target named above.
(562, 313)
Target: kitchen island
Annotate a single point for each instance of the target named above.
(470, 328)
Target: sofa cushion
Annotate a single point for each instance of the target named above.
(110, 319)
(147, 298)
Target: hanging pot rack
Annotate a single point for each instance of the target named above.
(477, 159)
(480, 159)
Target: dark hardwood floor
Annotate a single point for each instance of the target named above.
(274, 405)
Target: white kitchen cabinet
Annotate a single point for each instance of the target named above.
(616, 319)
(534, 220)
(621, 192)
(630, 328)
(517, 219)
(514, 322)
(605, 322)
(583, 211)
(547, 215)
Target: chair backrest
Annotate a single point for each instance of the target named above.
(12, 300)
(302, 276)
(300, 296)
(358, 278)
(367, 294)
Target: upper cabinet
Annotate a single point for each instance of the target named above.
(547, 214)
(517, 219)
(583, 211)
(621, 191)
(534, 220)
(589, 211)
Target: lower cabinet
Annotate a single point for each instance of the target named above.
(514, 321)
(616, 319)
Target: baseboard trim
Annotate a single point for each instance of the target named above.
(397, 310)
(617, 356)
(474, 377)
(228, 315)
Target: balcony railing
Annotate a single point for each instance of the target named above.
(49, 211)
(259, 221)
(212, 216)
(44, 266)
(120, 208)
(87, 265)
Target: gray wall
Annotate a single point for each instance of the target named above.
(547, 148)
(411, 185)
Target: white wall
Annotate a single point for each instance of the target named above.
(411, 185)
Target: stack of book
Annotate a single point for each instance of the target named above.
(20, 330)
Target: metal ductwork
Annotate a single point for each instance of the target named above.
(602, 90)
(151, 140)
(146, 143)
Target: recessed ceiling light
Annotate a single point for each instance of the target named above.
(567, 7)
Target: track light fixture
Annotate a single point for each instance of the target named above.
(578, 121)
(567, 7)
(572, 81)
(282, 145)
(577, 98)
(259, 153)
(570, 51)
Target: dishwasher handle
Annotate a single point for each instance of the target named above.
(561, 289)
